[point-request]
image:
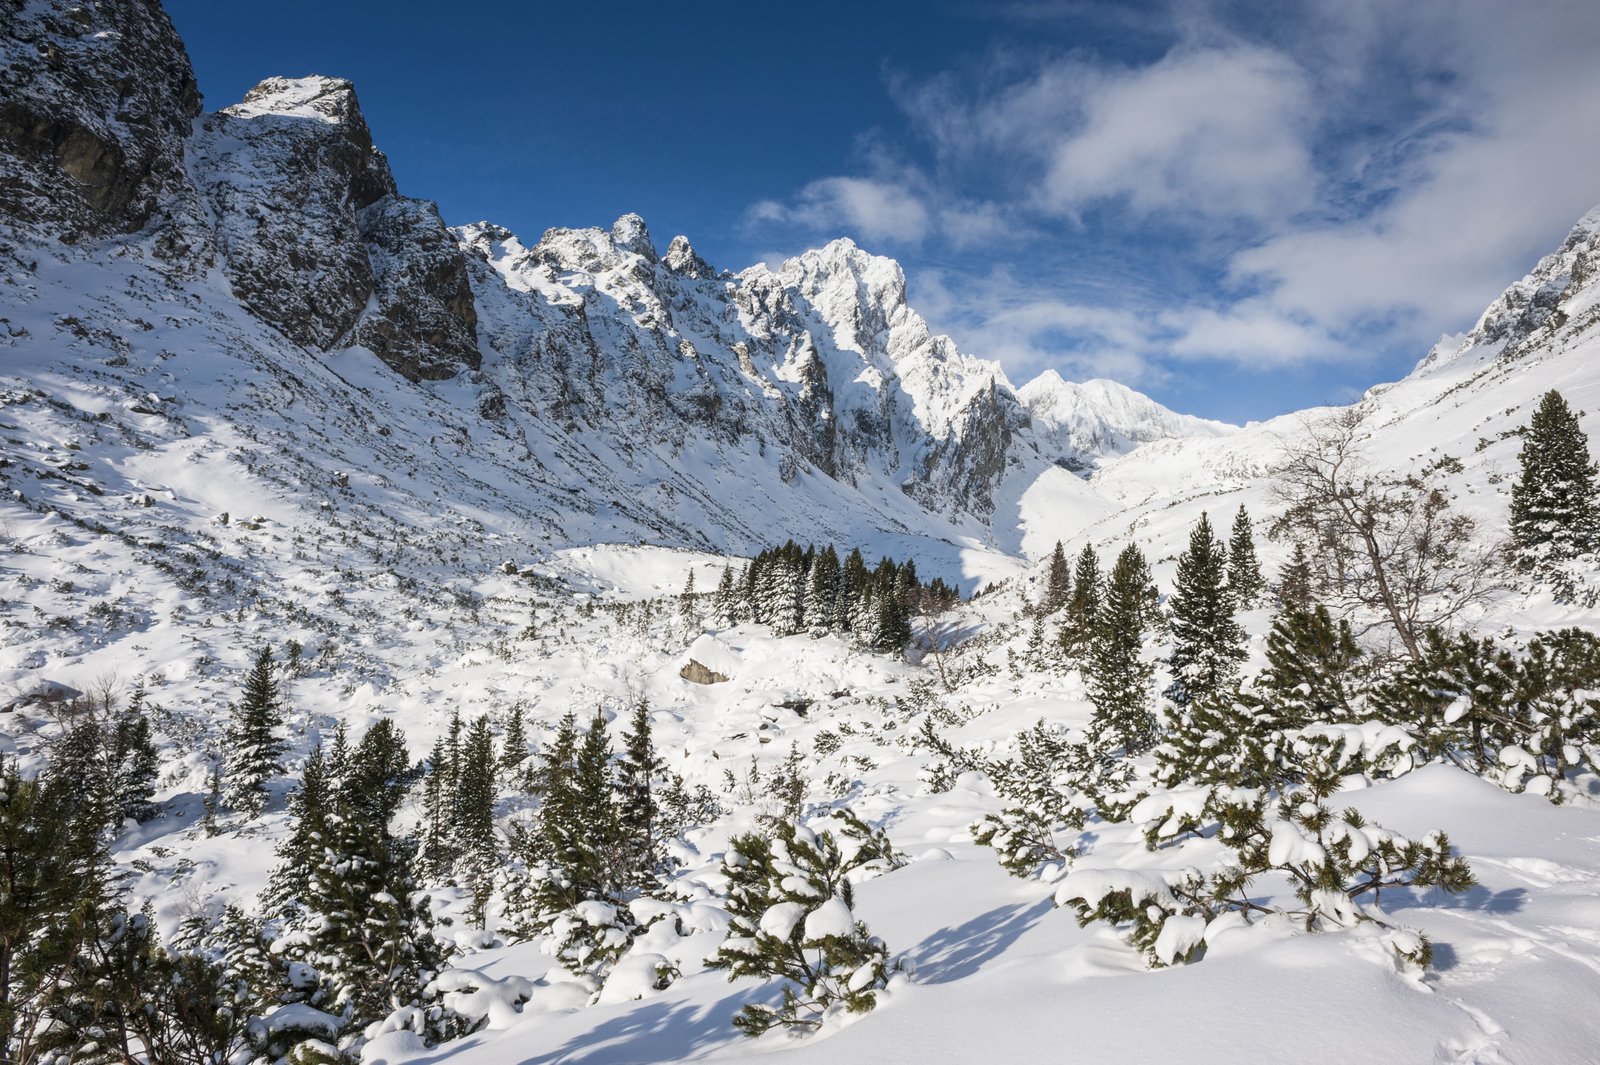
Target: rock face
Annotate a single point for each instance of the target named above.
(312, 230)
(96, 100)
(821, 360)
(1538, 306)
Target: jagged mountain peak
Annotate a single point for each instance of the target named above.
(681, 258)
(1557, 296)
(631, 234)
(314, 96)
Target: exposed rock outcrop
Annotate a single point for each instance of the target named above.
(316, 239)
(96, 101)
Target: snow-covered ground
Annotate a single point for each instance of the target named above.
(182, 484)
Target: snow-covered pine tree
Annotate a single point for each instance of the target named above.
(254, 745)
(822, 591)
(1313, 670)
(1336, 865)
(1294, 581)
(379, 773)
(638, 813)
(1555, 501)
(1220, 742)
(514, 746)
(472, 828)
(1117, 674)
(438, 812)
(854, 588)
(1244, 568)
(309, 807)
(1526, 719)
(363, 926)
(1083, 605)
(726, 602)
(791, 911)
(781, 591)
(1208, 644)
(1057, 582)
(686, 598)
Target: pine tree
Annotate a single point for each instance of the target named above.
(1312, 671)
(379, 773)
(1294, 581)
(1058, 582)
(791, 914)
(1208, 644)
(514, 745)
(822, 591)
(726, 602)
(592, 834)
(1083, 605)
(854, 588)
(473, 832)
(638, 813)
(254, 746)
(361, 924)
(1555, 502)
(309, 808)
(1118, 677)
(1244, 569)
(213, 800)
(438, 812)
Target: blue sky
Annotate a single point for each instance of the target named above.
(1241, 209)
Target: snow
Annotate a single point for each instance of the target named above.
(832, 918)
(392, 509)
(780, 919)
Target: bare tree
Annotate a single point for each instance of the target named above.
(1380, 544)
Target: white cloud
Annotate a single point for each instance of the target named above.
(875, 210)
(1203, 132)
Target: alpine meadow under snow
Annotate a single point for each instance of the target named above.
(422, 644)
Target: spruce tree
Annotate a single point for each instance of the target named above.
(1118, 677)
(254, 746)
(438, 812)
(310, 806)
(638, 814)
(514, 744)
(55, 886)
(1083, 605)
(726, 602)
(1294, 581)
(379, 773)
(1208, 644)
(1244, 568)
(1058, 582)
(822, 591)
(473, 831)
(592, 835)
(1555, 502)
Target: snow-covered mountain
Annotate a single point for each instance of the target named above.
(1088, 421)
(251, 394)
(596, 375)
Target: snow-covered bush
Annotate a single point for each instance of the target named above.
(791, 909)
(1337, 867)
(1528, 720)
(1052, 783)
